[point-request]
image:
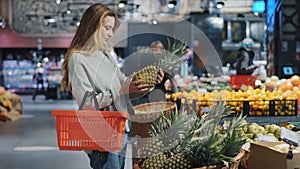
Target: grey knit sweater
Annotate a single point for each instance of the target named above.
(99, 73)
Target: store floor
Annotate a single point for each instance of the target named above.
(30, 142)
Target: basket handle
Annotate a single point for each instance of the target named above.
(93, 95)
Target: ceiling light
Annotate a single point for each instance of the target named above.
(68, 11)
(122, 4)
(58, 2)
(48, 20)
(172, 4)
(2, 22)
(75, 21)
(220, 5)
(154, 21)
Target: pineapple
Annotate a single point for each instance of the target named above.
(209, 146)
(152, 147)
(165, 61)
(157, 162)
(181, 140)
(167, 133)
(178, 161)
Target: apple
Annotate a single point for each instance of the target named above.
(249, 135)
(261, 129)
(253, 129)
(267, 126)
(272, 128)
(245, 128)
(277, 132)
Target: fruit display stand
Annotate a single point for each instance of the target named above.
(209, 84)
(11, 107)
(260, 105)
(183, 140)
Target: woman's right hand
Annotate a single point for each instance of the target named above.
(130, 86)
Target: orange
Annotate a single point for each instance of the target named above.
(295, 79)
(288, 85)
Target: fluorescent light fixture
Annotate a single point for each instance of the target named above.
(172, 4)
(154, 21)
(220, 5)
(122, 4)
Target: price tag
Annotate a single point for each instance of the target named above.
(288, 134)
(266, 138)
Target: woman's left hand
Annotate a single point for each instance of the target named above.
(160, 77)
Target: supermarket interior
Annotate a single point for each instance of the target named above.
(228, 97)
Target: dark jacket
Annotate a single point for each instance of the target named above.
(245, 64)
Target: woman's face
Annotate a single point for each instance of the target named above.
(107, 28)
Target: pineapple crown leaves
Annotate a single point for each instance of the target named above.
(210, 147)
(173, 129)
(173, 119)
(208, 123)
(171, 57)
(233, 141)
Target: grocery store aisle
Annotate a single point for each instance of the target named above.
(30, 142)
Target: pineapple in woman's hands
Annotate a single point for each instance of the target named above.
(164, 61)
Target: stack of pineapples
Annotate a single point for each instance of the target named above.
(165, 61)
(181, 140)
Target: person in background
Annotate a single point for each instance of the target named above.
(88, 66)
(159, 92)
(245, 56)
(38, 77)
(157, 47)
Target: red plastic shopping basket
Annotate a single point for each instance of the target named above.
(90, 129)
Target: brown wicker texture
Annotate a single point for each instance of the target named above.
(233, 165)
(146, 114)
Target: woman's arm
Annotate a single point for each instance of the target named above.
(81, 82)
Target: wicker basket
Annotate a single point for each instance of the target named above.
(151, 111)
(146, 113)
(233, 165)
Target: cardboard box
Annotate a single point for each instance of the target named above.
(262, 156)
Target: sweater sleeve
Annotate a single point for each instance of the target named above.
(80, 82)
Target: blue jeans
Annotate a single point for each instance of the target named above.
(107, 160)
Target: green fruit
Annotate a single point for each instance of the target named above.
(245, 128)
(277, 132)
(261, 129)
(249, 135)
(267, 127)
(272, 128)
(253, 129)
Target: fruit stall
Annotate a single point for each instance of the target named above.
(11, 107)
(211, 126)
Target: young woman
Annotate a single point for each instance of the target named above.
(89, 67)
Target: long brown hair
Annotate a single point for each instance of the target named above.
(86, 38)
